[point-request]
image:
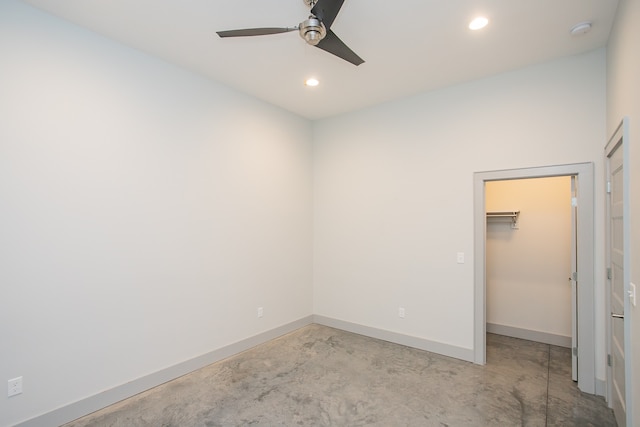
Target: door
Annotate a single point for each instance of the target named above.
(573, 278)
(616, 276)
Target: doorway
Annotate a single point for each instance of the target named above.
(529, 259)
(584, 200)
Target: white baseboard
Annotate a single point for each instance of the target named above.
(397, 338)
(526, 334)
(601, 388)
(101, 400)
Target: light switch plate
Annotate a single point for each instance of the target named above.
(460, 257)
(632, 294)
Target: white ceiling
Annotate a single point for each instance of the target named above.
(409, 46)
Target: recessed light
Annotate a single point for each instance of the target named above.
(312, 82)
(478, 23)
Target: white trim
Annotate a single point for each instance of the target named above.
(465, 354)
(93, 403)
(527, 334)
(601, 387)
(586, 257)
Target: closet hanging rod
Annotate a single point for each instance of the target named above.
(507, 214)
(512, 215)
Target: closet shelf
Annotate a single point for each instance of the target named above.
(511, 215)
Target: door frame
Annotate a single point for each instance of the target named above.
(572, 278)
(584, 173)
(620, 140)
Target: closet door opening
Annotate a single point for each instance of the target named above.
(530, 261)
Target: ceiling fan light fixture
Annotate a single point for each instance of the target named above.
(312, 30)
(478, 23)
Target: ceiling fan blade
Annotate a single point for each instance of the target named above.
(247, 32)
(332, 44)
(326, 11)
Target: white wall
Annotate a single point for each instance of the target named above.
(528, 268)
(145, 213)
(393, 192)
(623, 88)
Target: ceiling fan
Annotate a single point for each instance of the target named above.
(316, 30)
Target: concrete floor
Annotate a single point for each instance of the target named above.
(319, 376)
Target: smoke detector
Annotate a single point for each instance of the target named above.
(580, 28)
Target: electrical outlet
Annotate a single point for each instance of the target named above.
(260, 311)
(401, 312)
(14, 386)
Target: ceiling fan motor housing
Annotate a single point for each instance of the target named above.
(312, 30)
